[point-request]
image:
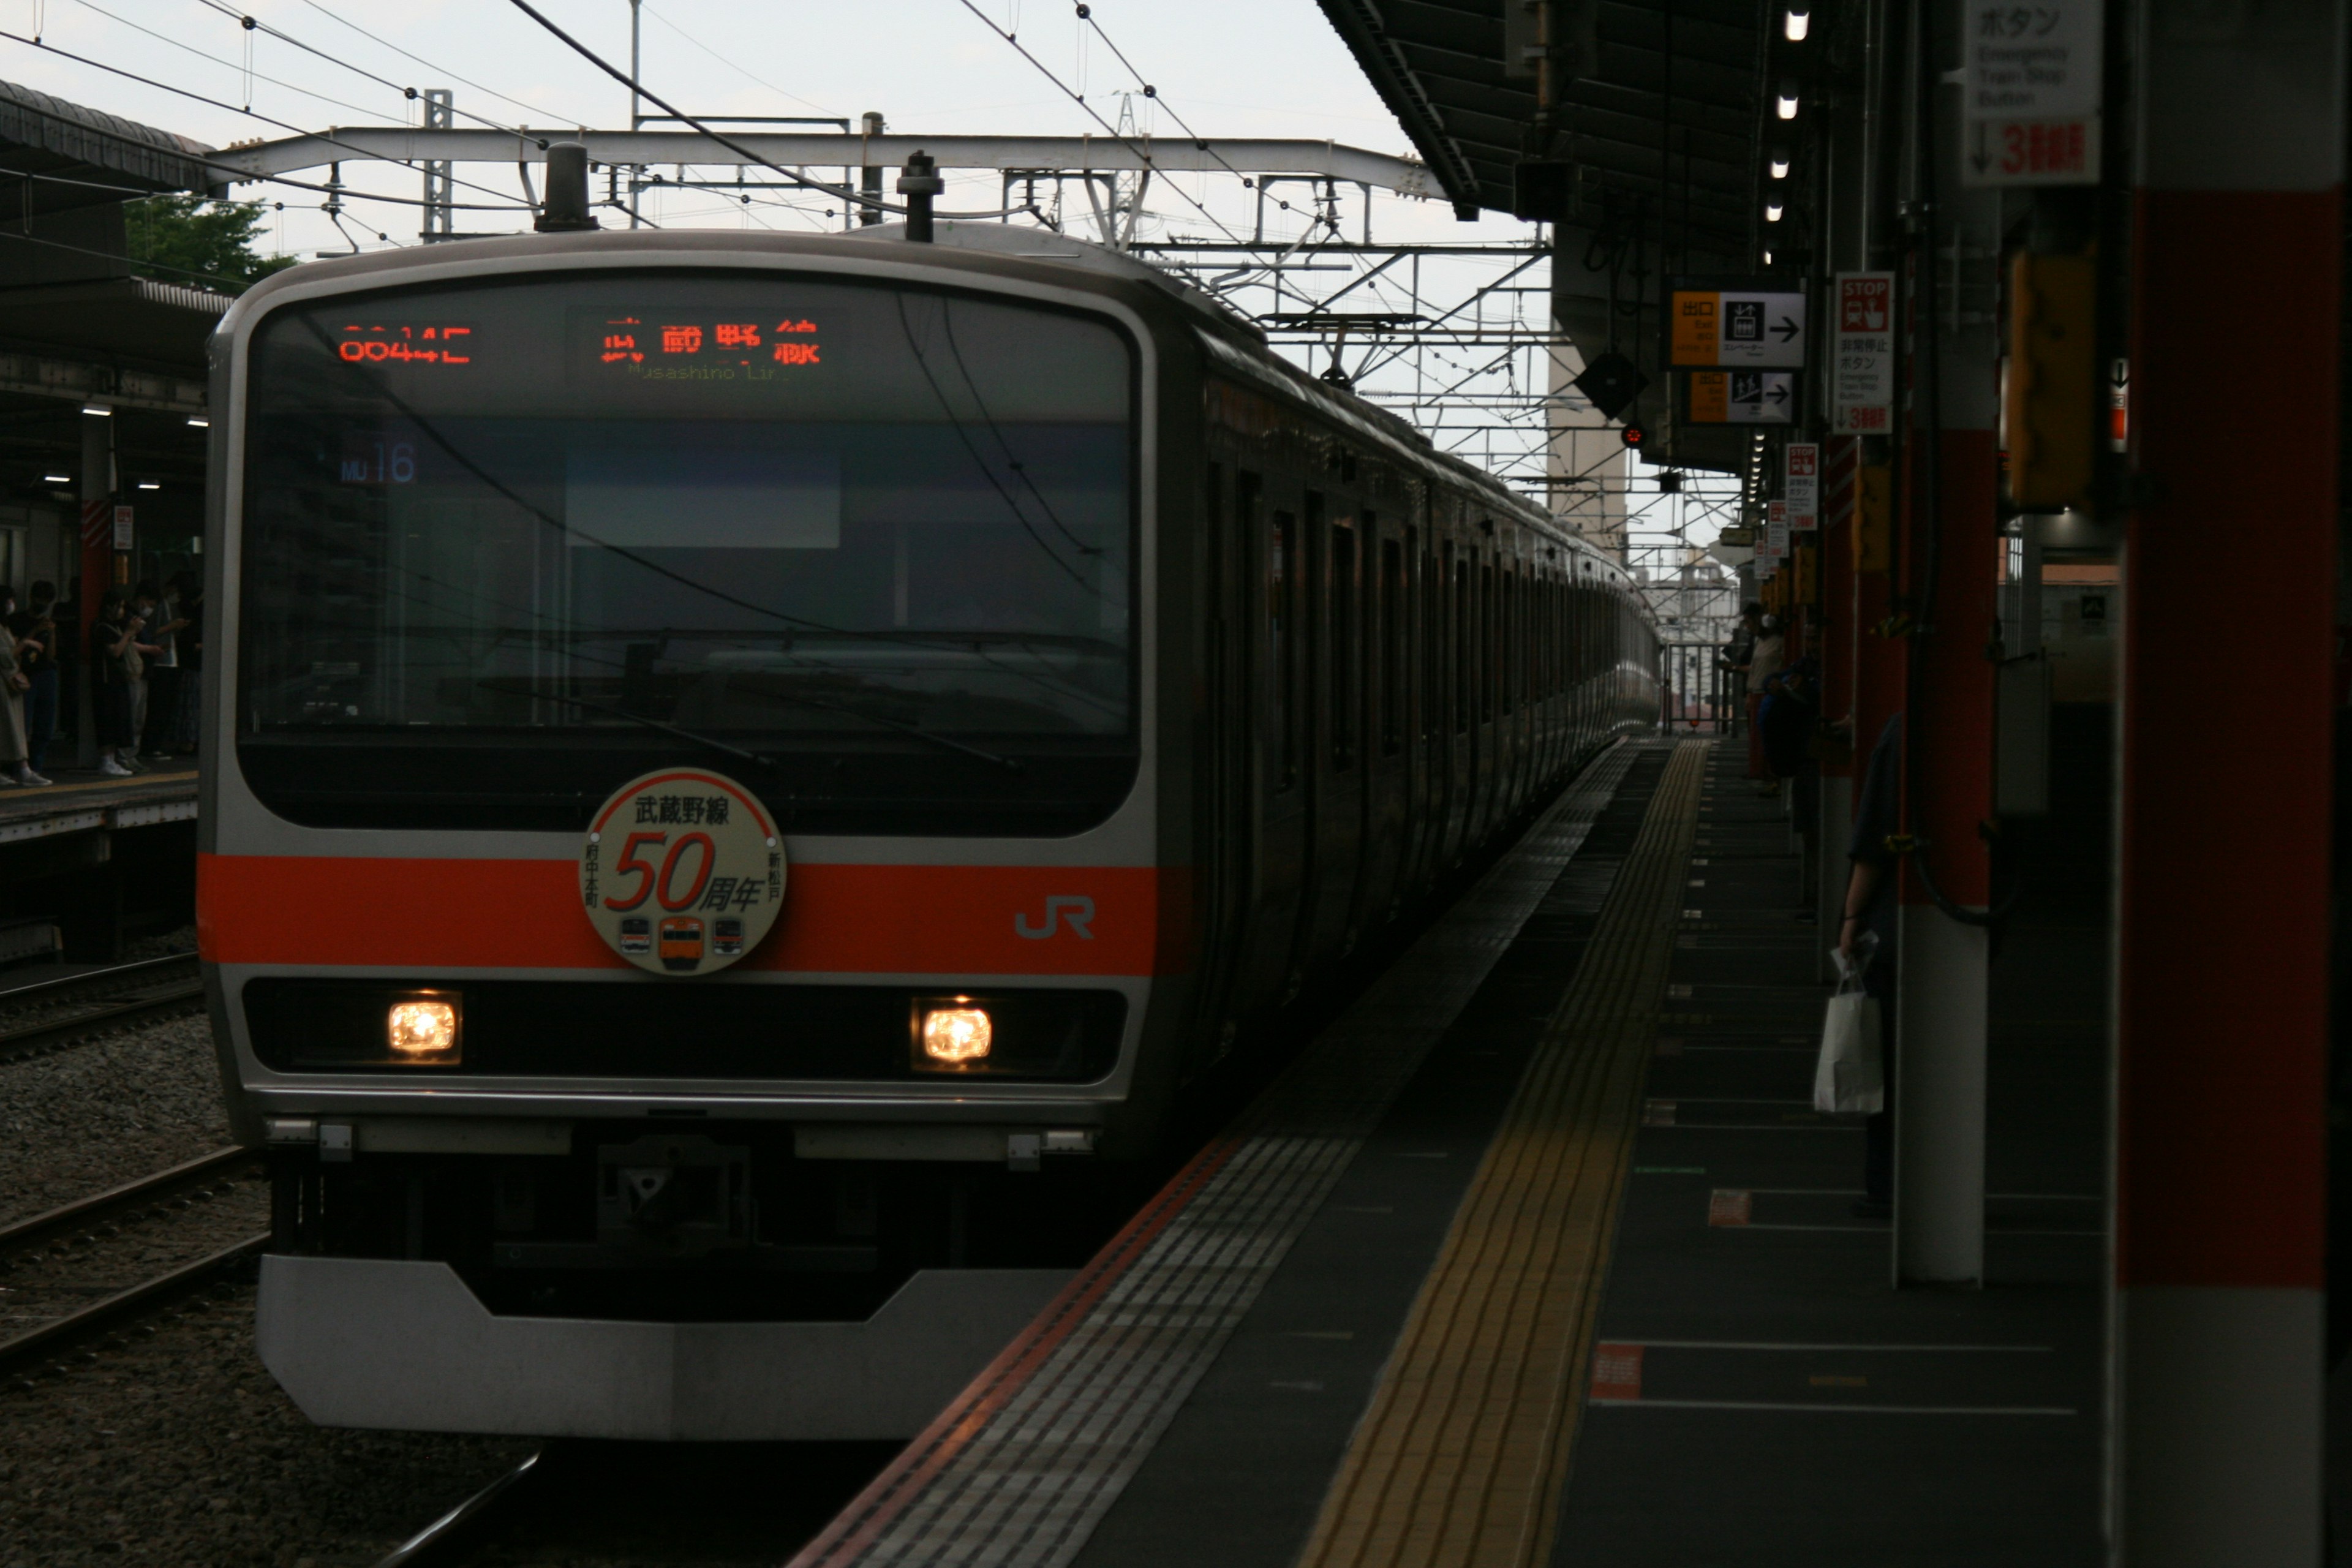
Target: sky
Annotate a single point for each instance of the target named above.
(1222, 67)
(1227, 68)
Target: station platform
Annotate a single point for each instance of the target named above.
(91, 861)
(1538, 1254)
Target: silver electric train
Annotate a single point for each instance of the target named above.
(746, 774)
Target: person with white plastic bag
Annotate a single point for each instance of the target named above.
(1866, 952)
(1850, 1075)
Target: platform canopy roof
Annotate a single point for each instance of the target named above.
(1662, 104)
(63, 156)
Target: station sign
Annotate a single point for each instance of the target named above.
(125, 535)
(1756, 327)
(1862, 355)
(1801, 485)
(1738, 536)
(1776, 530)
(1742, 397)
(2031, 86)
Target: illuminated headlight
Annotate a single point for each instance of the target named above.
(955, 1035)
(422, 1030)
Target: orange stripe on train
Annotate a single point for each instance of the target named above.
(525, 914)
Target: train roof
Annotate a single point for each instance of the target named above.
(1227, 338)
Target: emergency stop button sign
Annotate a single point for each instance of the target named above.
(683, 873)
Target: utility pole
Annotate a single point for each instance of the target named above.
(439, 214)
(869, 182)
(636, 118)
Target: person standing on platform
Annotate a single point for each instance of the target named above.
(35, 627)
(1763, 664)
(188, 606)
(152, 699)
(116, 668)
(1733, 661)
(14, 684)
(1866, 939)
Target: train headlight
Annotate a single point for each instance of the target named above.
(955, 1037)
(422, 1030)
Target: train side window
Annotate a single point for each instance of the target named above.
(1462, 665)
(1508, 662)
(1486, 642)
(1393, 637)
(1282, 634)
(1346, 653)
(1436, 690)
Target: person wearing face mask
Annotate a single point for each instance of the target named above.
(35, 627)
(117, 667)
(14, 684)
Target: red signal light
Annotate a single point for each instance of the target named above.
(1633, 435)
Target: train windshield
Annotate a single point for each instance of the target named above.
(871, 549)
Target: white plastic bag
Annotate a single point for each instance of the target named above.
(1849, 1078)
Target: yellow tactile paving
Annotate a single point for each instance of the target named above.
(1461, 1455)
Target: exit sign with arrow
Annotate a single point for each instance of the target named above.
(1742, 326)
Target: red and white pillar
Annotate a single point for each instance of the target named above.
(1943, 970)
(2225, 789)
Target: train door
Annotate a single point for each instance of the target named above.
(1386, 662)
(1278, 798)
(1419, 732)
(1483, 726)
(1227, 858)
(1334, 626)
(1461, 710)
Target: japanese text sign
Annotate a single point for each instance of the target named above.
(1801, 485)
(1756, 329)
(2031, 90)
(1861, 355)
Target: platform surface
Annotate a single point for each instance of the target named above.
(75, 794)
(1541, 1255)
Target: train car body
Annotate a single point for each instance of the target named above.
(745, 774)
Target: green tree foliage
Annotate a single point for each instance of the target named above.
(173, 237)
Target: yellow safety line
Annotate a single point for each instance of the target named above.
(1460, 1456)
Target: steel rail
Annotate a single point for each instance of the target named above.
(17, 996)
(98, 1314)
(82, 1210)
(446, 1532)
(52, 1034)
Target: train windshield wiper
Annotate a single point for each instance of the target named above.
(709, 743)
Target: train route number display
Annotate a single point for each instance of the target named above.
(682, 872)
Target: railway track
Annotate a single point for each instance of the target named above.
(52, 1014)
(103, 1216)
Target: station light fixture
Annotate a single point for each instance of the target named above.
(1795, 23)
(957, 1036)
(1772, 212)
(1785, 106)
(97, 409)
(1778, 164)
(149, 485)
(423, 1029)
(198, 421)
(1767, 259)
(56, 480)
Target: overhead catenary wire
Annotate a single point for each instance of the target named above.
(420, 60)
(1142, 154)
(253, 24)
(840, 192)
(230, 169)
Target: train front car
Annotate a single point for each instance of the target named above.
(680, 884)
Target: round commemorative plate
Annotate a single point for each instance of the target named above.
(682, 872)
